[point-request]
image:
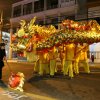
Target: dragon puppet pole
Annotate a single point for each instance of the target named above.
(8, 66)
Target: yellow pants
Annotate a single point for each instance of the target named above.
(56, 69)
(52, 66)
(86, 66)
(36, 66)
(76, 67)
(63, 62)
(43, 67)
(68, 68)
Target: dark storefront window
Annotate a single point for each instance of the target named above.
(54, 20)
(51, 4)
(51, 20)
(38, 5)
(41, 22)
(27, 8)
(64, 17)
(67, 0)
(72, 0)
(17, 11)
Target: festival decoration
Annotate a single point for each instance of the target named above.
(29, 47)
(13, 38)
(44, 37)
(16, 81)
(29, 33)
(73, 32)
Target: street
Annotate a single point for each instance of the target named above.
(81, 87)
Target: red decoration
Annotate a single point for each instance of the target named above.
(25, 36)
(13, 37)
(45, 51)
(14, 80)
(29, 48)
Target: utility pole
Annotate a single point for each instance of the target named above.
(1, 25)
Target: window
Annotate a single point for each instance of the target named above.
(54, 20)
(51, 4)
(41, 22)
(27, 8)
(48, 20)
(17, 11)
(38, 5)
(66, 0)
(62, 1)
(65, 16)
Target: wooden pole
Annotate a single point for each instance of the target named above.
(10, 49)
(1, 25)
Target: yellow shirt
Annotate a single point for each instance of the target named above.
(43, 58)
(69, 52)
(52, 55)
(77, 52)
(83, 55)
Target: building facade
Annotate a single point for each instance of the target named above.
(51, 11)
(46, 11)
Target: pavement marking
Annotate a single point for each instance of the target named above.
(19, 96)
(14, 95)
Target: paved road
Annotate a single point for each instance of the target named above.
(81, 87)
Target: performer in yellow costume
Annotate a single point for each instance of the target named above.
(83, 57)
(68, 60)
(31, 52)
(43, 61)
(56, 55)
(32, 56)
(77, 54)
(52, 58)
(62, 56)
(36, 65)
(36, 57)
